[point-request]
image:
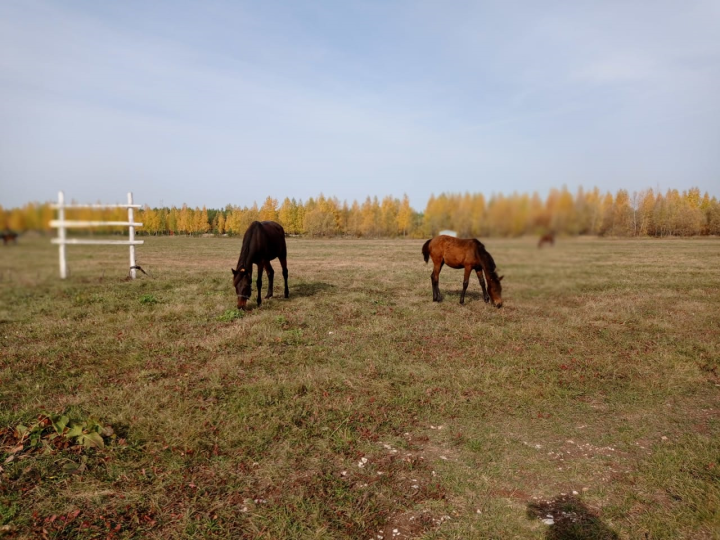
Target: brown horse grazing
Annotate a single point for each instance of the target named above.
(467, 253)
(9, 236)
(548, 238)
(263, 241)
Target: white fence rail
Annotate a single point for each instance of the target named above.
(61, 224)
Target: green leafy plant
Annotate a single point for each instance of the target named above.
(51, 433)
(231, 315)
(148, 298)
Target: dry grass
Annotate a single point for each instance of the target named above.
(358, 408)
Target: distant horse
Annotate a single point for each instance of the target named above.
(469, 254)
(548, 238)
(263, 241)
(9, 236)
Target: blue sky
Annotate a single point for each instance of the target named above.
(214, 103)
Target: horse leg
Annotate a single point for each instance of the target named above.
(435, 280)
(259, 283)
(479, 273)
(270, 274)
(283, 263)
(466, 281)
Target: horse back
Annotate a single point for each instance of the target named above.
(460, 252)
(263, 242)
(455, 252)
(274, 243)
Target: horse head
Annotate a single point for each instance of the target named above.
(242, 281)
(495, 289)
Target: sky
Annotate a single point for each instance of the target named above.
(215, 103)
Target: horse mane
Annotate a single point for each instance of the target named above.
(486, 258)
(252, 231)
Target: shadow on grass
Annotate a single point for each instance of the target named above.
(454, 296)
(570, 519)
(310, 289)
(470, 296)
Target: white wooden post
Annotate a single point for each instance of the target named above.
(61, 225)
(61, 234)
(131, 235)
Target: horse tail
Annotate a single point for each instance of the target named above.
(426, 250)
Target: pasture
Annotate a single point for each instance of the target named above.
(587, 407)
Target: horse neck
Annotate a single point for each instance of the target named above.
(488, 263)
(249, 246)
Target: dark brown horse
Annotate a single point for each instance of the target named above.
(467, 253)
(548, 238)
(263, 241)
(9, 236)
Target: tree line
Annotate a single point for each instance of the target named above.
(644, 213)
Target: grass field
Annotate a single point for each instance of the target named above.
(586, 408)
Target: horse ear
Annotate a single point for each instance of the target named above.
(233, 271)
(500, 278)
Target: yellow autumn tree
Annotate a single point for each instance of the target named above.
(622, 214)
(321, 219)
(689, 218)
(404, 216)
(479, 227)
(200, 221)
(269, 210)
(354, 226)
(344, 218)
(287, 216)
(15, 221)
(563, 216)
(150, 219)
(233, 221)
(645, 211)
(370, 212)
(389, 209)
(437, 215)
(462, 214)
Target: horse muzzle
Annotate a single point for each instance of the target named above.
(242, 302)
